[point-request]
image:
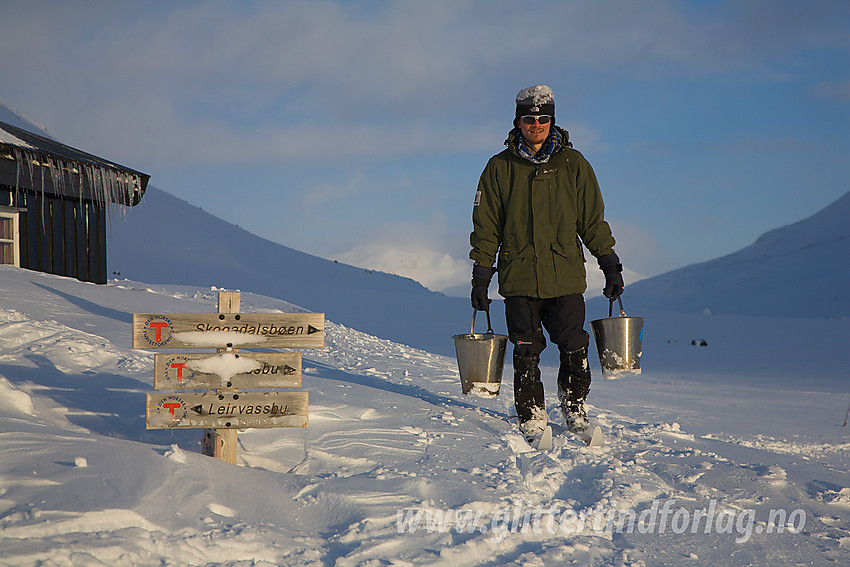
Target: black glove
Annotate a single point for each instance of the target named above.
(481, 276)
(480, 300)
(612, 268)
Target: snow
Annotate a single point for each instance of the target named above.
(729, 454)
(732, 429)
(212, 339)
(225, 365)
(485, 389)
(538, 94)
(13, 399)
(7, 138)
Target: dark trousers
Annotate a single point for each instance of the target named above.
(563, 319)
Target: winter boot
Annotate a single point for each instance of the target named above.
(533, 429)
(575, 414)
(528, 396)
(573, 387)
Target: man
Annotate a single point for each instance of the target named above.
(537, 201)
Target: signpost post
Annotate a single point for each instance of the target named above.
(223, 408)
(221, 443)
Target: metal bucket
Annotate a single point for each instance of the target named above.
(480, 360)
(619, 342)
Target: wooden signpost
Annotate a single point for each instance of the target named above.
(239, 330)
(198, 410)
(227, 370)
(223, 408)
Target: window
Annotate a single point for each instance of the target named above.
(9, 247)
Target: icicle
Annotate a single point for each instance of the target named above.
(56, 175)
(41, 171)
(15, 154)
(108, 187)
(82, 172)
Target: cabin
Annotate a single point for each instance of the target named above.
(55, 204)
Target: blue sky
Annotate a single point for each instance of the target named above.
(357, 130)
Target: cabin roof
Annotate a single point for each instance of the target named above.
(29, 161)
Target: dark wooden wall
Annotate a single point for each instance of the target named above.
(60, 235)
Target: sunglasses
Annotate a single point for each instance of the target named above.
(530, 119)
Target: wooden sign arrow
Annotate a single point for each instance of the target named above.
(227, 370)
(196, 410)
(236, 330)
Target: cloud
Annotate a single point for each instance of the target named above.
(429, 252)
(636, 246)
(322, 194)
(434, 269)
(221, 82)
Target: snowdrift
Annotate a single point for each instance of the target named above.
(723, 455)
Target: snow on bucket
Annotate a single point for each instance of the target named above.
(619, 342)
(480, 360)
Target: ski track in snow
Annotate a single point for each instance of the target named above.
(82, 482)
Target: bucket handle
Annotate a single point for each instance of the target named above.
(489, 326)
(611, 307)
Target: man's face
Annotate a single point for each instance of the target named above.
(535, 134)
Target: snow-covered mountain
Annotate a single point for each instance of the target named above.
(167, 240)
(11, 116)
(798, 270)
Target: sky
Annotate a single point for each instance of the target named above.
(357, 131)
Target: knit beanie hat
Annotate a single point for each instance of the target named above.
(538, 99)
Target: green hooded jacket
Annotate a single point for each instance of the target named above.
(528, 219)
